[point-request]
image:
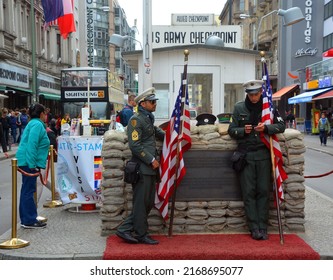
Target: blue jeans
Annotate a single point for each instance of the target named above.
(27, 208)
(323, 137)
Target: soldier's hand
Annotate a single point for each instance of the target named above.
(260, 127)
(155, 164)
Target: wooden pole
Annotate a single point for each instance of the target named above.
(276, 191)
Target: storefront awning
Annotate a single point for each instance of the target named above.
(277, 95)
(50, 96)
(325, 95)
(307, 96)
(12, 89)
(328, 53)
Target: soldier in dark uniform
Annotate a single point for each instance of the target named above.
(142, 136)
(256, 177)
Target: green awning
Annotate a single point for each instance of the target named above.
(50, 96)
(20, 89)
(9, 88)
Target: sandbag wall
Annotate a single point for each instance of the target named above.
(201, 216)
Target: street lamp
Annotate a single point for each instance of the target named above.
(33, 53)
(290, 16)
(244, 16)
(119, 40)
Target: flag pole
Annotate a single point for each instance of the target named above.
(276, 191)
(263, 61)
(184, 85)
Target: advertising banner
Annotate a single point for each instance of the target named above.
(79, 169)
(315, 116)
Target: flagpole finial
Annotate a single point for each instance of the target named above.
(186, 52)
(262, 54)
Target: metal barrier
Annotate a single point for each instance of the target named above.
(14, 242)
(53, 203)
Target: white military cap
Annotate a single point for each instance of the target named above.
(253, 86)
(148, 94)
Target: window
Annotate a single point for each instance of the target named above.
(58, 46)
(328, 10)
(328, 42)
(242, 5)
(162, 109)
(200, 92)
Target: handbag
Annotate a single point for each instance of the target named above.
(238, 160)
(131, 172)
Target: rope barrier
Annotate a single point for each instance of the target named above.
(320, 175)
(42, 179)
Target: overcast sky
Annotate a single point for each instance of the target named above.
(162, 10)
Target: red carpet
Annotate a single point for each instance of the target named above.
(212, 247)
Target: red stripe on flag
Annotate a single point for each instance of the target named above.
(177, 141)
(267, 118)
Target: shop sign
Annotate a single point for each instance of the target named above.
(99, 94)
(90, 32)
(48, 84)
(14, 76)
(325, 82)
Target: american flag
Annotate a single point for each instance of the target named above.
(267, 118)
(177, 140)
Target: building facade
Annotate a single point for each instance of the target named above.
(291, 50)
(17, 22)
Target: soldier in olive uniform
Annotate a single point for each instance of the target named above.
(142, 136)
(256, 177)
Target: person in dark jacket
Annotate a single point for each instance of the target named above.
(127, 112)
(5, 126)
(3, 141)
(142, 136)
(256, 175)
(13, 125)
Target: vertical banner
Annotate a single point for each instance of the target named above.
(315, 116)
(79, 169)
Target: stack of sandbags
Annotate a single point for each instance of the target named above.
(201, 216)
(114, 152)
(213, 137)
(292, 209)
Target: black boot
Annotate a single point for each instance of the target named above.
(264, 234)
(256, 235)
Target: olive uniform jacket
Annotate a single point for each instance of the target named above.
(252, 141)
(142, 136)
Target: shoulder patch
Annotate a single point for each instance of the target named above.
(134, 123)
(135, 135)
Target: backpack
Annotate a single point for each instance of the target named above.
(24, 120)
